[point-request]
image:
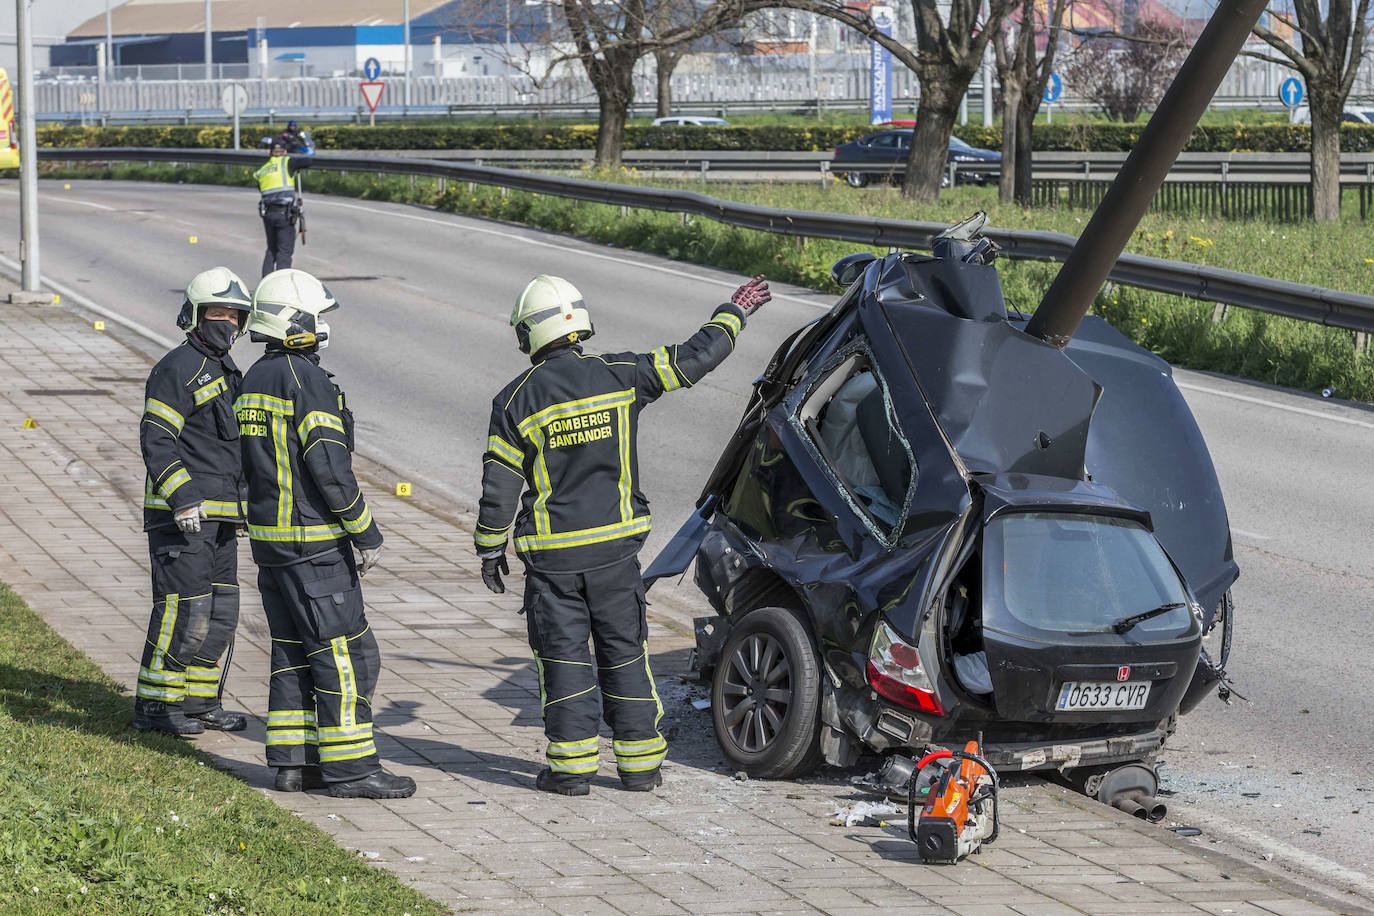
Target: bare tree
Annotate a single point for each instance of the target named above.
(1122, 74)
(1024, 74)
(1333, 34)
(949, 51)
(664, 16)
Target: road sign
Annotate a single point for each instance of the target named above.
(372, 93)
(880, 69)
(1290, 93)
(372, 68)
(234, 99)
(1054, 88)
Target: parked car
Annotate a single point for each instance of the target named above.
(1303, 115)
(690, 121)
(931, 527)
(882, 156)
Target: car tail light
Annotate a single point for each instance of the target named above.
(894, 670)
(838, 151)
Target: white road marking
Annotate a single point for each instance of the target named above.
(1250, 534)
(561, 246)
(68, 200)
(91, 306)
(1305, 411)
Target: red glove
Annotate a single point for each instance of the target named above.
(752, 295)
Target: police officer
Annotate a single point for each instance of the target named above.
(305, 516)
(563, 432)
(192, 508)
(278, 204)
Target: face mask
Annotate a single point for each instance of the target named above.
(218, 334)
(322, 334)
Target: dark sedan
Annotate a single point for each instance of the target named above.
(883, 156)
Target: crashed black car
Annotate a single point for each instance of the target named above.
(931, 526)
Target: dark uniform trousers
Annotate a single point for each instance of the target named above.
(195, 613)
(324, 667)
(281, 238)
(606, 605)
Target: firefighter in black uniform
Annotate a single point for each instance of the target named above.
(279, 205)
(192, 510)
(305, 516)
(564, 433)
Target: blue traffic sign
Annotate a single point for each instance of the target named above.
(372, 68)
(1290, 93)
(1054, 88)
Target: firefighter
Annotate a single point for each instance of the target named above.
(192, 510)
(306, 514)
(563, 433)
(279, 205)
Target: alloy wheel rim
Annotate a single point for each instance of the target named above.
(756, 692)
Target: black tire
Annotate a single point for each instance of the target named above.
(856, 179)
(769, 651)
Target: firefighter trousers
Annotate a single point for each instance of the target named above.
(195, 614)
(606, 605)
(280, 229)
(324, 667)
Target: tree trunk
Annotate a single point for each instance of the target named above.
(1011, 163)
(614, 92)
(1326, 111)
(935, 116)
(667, 63)
(1025, 119)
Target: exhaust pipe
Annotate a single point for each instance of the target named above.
(1130, 787)
(1138, 804)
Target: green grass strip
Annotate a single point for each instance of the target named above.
(1279, 351)
(98, 818)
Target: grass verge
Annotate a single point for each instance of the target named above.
(1253, 345)
(97, 818)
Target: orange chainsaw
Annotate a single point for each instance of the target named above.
(960, 812)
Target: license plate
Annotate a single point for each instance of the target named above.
(1077, 696)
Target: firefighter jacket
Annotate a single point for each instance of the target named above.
(564, 432)
(296, 435)
(188, 436)
(277, 179)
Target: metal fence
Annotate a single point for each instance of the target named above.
(1334, 308)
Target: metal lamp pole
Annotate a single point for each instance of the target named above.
(406, 38)
(28, 155)
(209, 44)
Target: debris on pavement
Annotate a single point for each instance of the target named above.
(1186, 831)
(704, 703)
(859, 813)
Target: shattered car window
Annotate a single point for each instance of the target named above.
(848, 420)
(1079, 573)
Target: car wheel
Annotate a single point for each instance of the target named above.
(856, 179)
(765, 695)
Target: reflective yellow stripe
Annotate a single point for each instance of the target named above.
(647, 746)
(277, 736)
(503, 449)
(210, 391)
(220, 508)
(491, 540)
(666, 374)
(266, 402)
(174, 483)
(585, 536)
(625, 483)
(542, 488)
(277, 717)
(158, 409)
(572, 408)
(296, 533)
(579, 767)
(318, 418)
(727, 320)
(359, 524)
(283, 459)
(574, 748)
(347, 752)
(348, 687)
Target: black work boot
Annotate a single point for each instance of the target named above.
(220, 719)
(641, 782)
(155, 715)
(380, 784)
(299, 779)
(546, 781)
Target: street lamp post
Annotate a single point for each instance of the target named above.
(28, 155)
(406, 39)
(209, 44)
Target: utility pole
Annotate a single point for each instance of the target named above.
(406, 39)
(109, 37)
(987, 74)
(209, 44)
(28, 154)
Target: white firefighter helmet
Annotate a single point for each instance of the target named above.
(287, 306)
(549, 309)
(216, 286)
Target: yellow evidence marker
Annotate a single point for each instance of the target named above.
(193, 240)
(100, 325)
(402, 489)
(29, 423)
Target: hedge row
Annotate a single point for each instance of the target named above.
(1269, 138)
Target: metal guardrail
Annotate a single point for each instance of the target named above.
(1333, 308)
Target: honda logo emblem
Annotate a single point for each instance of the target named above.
(1123, 673)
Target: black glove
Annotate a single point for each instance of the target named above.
(492, 569)
(752, 295)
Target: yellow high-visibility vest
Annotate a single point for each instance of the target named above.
(274, 176)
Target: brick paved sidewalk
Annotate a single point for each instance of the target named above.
(458, 710)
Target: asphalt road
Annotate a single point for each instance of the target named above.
(421, 343)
